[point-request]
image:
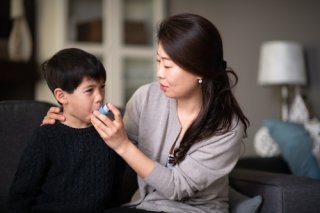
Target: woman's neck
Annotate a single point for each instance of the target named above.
(188, 110)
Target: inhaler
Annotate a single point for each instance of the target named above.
(104, 109)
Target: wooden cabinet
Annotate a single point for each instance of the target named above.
(120, 32)
(18, 80)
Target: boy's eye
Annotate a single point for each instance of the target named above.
(103, 86)
(89, 90)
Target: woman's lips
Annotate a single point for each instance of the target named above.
(163, 88)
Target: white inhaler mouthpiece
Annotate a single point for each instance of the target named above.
(104, 109)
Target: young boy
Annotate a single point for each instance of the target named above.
(66, 167)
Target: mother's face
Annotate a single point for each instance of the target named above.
(175, 82)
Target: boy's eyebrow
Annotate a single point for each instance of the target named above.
(93, 85)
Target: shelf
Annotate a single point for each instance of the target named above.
(96, 49)
(139, 52)
(119, 32)
(18, 80)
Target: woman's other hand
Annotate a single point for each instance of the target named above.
(54, 114)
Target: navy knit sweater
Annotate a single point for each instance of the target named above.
(64, 170)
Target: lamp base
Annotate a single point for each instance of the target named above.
(285, 107)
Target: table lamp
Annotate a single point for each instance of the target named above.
(282, 63)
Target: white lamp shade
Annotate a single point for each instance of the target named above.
(281, 63)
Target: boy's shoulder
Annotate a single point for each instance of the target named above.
(47, 127)
(46, 130)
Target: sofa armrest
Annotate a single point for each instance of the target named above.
(280, 192)
(269, 164)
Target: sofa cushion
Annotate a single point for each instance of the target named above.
(240, 203)
(296, 147)
(18, 120)
(281, 192)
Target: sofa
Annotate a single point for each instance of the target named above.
(272, 179)
(280, 190)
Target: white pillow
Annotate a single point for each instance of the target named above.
(264, 145)
(313, 127)
(298, 112)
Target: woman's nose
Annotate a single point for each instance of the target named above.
(160, 71)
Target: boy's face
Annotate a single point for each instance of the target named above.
(80, 104)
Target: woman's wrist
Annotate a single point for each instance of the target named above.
(135, 158)
(123, 149)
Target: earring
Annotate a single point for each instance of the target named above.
(200, 81)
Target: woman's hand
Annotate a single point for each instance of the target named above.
(111, 131)
(114, 135)
(52, 115)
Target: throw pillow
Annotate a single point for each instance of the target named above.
(298, 112)
(296, 147)
(264, 144)
(313, 127)
(240, 203)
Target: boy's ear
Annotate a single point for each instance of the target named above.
(60, 95)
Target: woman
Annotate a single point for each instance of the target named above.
(188, 127)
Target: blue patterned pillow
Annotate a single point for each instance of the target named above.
(296, 147)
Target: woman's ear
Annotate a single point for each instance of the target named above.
(60, 95)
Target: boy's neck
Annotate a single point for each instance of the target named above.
(75, 122)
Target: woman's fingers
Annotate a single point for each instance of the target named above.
(103, 118)
(53, 114)
(115, 123)
(115, 111)
(111, 130)
(99, 125)
(47, 120)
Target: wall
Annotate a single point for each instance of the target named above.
(244, 25)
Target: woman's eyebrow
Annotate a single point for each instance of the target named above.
(164, 58)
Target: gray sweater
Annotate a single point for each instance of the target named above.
(200, 182)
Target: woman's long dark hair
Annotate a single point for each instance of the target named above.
(195, 44)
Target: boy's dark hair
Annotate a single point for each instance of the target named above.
(67, 68)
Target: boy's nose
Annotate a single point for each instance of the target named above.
(99, 96)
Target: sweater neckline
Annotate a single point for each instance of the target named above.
(73, 130)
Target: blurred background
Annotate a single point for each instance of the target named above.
(122, 34)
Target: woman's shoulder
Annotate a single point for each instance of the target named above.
(149, 89)
(237, 125)
(148, 93)
(146, 99)
(233, 134)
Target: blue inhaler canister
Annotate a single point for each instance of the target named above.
(104, 109)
